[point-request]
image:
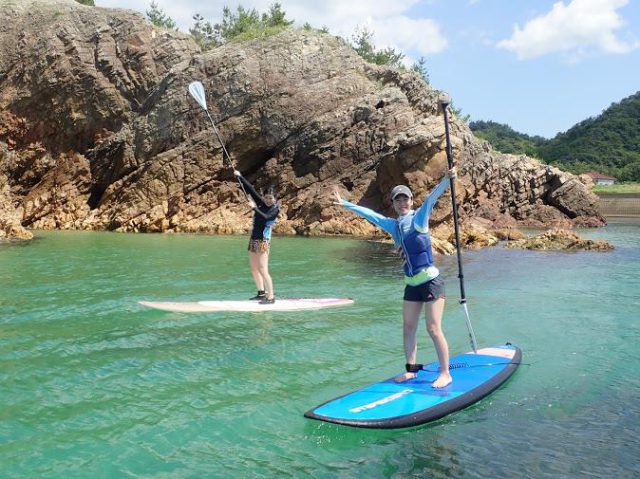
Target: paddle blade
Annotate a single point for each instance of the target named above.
(197, 92)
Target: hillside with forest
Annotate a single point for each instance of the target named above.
(608, 143)
(505, 139)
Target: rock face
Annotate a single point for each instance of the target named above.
(97, 131)
(10, 216)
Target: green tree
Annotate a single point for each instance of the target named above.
(234, 25)
(276, 17)
(157, 16)
(91, 3)
(362, 43)
(245, 23)
(307, 26)
(420, 67)
(608, 143)
(459, 113)
(503, 138)
(203, 33)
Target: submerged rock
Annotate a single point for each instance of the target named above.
(560, 240)
(474, 239)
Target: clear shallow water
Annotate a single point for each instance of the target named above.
(94, 385)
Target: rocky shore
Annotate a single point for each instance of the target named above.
(98, 132)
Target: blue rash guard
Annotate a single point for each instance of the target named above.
(264, 217)
(411, 233)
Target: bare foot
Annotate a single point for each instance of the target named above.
(442, 381)
(404, 377)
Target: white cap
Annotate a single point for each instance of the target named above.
(401, 190)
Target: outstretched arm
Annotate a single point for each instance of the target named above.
(388, 225)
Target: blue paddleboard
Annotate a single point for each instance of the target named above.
(389, 404)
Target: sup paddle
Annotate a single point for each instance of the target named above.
(444, 103)
(197, 92)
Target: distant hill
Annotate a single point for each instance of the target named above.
(608, 143)
(505, 139)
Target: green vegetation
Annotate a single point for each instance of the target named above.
(204, 33)
(362, 44)
(608, 144)
(247, 24)
(420, 67)
(307, 26)
(243, 25)
(91, 3)
(503, 138)
(619, 189)
(157, 16)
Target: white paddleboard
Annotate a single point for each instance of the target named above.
(250, 306)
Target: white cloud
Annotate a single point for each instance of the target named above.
(577, 29)
(405, 34)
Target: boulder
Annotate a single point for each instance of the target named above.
(558, 239)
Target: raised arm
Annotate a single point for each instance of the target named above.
(421, 219)
(249, 188)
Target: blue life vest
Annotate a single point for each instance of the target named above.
(416, 245)
(417, 251)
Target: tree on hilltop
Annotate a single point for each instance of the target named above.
(243, 24)
(160, 19)
(246, 24)
(204, 33)
(362, 43)
(420, 67)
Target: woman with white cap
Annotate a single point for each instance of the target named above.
(424, 287)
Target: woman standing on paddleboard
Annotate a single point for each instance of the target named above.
(265, 213)
(410, 232)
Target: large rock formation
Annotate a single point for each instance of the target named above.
(97, 131)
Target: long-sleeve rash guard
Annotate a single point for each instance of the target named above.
(405, 229)
(264, 216)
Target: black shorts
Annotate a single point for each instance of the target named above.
(425, 292)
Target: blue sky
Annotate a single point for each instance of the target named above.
(539, 66)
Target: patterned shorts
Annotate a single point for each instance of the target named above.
(259, 246)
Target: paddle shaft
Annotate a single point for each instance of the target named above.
(463, 299)
(225, 154)
(199, 96)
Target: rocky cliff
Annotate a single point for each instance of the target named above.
(97, 131)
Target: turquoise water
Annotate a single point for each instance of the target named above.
(94, 385)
